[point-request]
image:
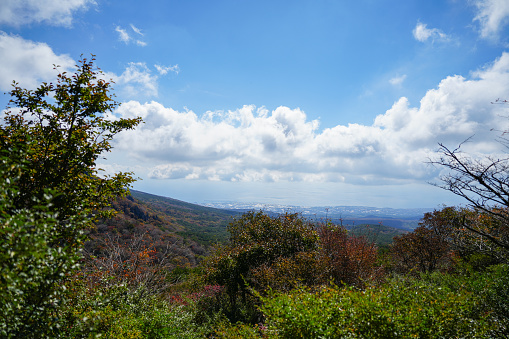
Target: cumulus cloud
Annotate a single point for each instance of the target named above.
(125, 37)
(53, 12)
(28, 62)
(492, 16)
(422, 33)
(255, 144)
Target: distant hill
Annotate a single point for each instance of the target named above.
(190, 229)
(205, 225)
(403, 218)
(401, 224)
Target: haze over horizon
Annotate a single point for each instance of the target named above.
(309, 103)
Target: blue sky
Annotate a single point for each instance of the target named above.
(293, 102)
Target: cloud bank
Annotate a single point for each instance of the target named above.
(255, 144)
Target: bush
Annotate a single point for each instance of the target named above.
(35, 261)
(398, 309)
(118, 312)
(285, 274)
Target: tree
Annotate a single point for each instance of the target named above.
(64, 131)
(484, 184)
(421, 250)
(34, 262)
(349, 259)
(449, 225)
(50, 141)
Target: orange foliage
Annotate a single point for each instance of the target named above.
(134, 263)
(350, 259)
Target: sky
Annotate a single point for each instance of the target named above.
(310, 103)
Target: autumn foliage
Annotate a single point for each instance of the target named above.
(286, 251)
(349, 260)
(421, 250)
(132, 263)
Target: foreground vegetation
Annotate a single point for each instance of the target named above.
(68, 270)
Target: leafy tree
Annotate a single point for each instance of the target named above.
(64, 131)
(449, 225)
(50, 141)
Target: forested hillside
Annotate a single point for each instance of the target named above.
(191, 230)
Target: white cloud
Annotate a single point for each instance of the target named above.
(53, 12)
(396, 81)
(165, 69)
(122, 34)
(126, 38)
(28, 62)
(422, 33)
(137, 79)
(492, 16)
(255, 144)
(136, 30)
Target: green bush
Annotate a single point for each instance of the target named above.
(35, 261)
(398, 309)
(119, 312)
(225, 330)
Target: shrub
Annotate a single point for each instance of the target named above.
(35, 260)
(120, 312)
(284, 274)
(398, 309)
